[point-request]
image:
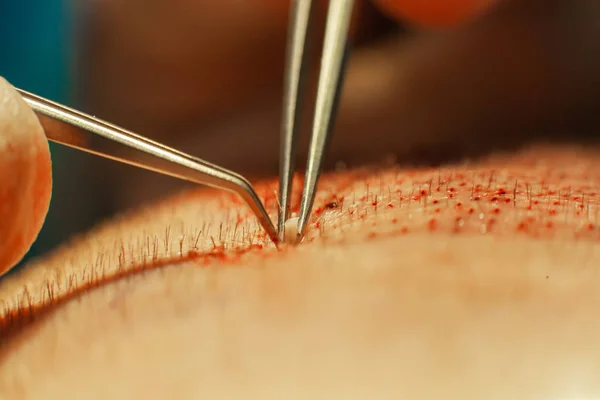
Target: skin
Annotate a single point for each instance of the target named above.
(473, 280)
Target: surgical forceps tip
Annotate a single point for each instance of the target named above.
(245, 190)
(329, 86)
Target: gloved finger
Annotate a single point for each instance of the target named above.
(25, 177)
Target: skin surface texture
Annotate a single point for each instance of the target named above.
(468, 281)
(25, 177)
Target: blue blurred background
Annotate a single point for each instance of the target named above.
(36, 45)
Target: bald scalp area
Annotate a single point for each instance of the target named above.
(482, 270)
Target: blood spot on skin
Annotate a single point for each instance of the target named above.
(432, 224)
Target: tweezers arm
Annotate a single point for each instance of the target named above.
(75, 129)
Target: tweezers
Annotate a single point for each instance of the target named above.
(75, 129)
(329, 84)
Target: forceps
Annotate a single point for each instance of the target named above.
(329, 84)
(75, 129)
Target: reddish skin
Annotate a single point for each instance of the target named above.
(25, 178)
